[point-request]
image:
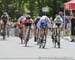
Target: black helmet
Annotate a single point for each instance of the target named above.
(28, 17)
(38, 17)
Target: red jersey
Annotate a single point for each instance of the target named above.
(19, 24)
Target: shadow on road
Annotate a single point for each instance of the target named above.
(28, 46)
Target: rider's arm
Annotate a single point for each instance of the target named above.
(38, 24)
(61, 22)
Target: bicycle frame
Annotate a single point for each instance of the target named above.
(56, 37)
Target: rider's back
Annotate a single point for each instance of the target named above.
(44, 20)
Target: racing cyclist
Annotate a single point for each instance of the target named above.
(27, 28)
(44, 22)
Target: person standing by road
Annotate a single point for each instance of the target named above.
(73, 28)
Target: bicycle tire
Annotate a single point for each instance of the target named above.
(27, 38)
(4, 34)
(43, 40)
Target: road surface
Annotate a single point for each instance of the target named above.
(12, 49)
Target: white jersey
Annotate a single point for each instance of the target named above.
(58, 21)
(44, 19)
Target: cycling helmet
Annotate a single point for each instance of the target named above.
(58, 17)
(28, 17)
(38, 18)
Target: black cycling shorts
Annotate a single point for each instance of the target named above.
(58, 24)
(27, 24)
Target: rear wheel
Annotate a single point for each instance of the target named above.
(43, 45)
(44, 41)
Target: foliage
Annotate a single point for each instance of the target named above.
(15, 8)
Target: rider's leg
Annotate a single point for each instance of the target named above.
(40, 37)
(25, 30)
(41, 32)
(46, 31)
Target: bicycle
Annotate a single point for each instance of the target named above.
(8, 29)
(27, 36)
(56, 37)
(42, 39)
(3, 31)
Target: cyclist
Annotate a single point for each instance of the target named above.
(44, 22)
(58, 23)
(9, 23)
(20, 23)
(20, 27)
(5, 18)
(27, 27)
(35, 29)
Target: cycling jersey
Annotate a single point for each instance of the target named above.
(4, 18)
(44, 22)
(58, 21)
(28, 22)
(20, 25)
(36, 20)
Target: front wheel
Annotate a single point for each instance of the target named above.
(3, 37)
(43, 45)
(4, 34)
(8, 33)
(58, 42)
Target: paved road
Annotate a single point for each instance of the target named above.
(11, 49)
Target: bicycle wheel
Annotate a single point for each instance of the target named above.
(58, 40)
(8, 33)
(44, 41)
(27, 37)
(54, 36)
(4, 34)
(43, 44)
